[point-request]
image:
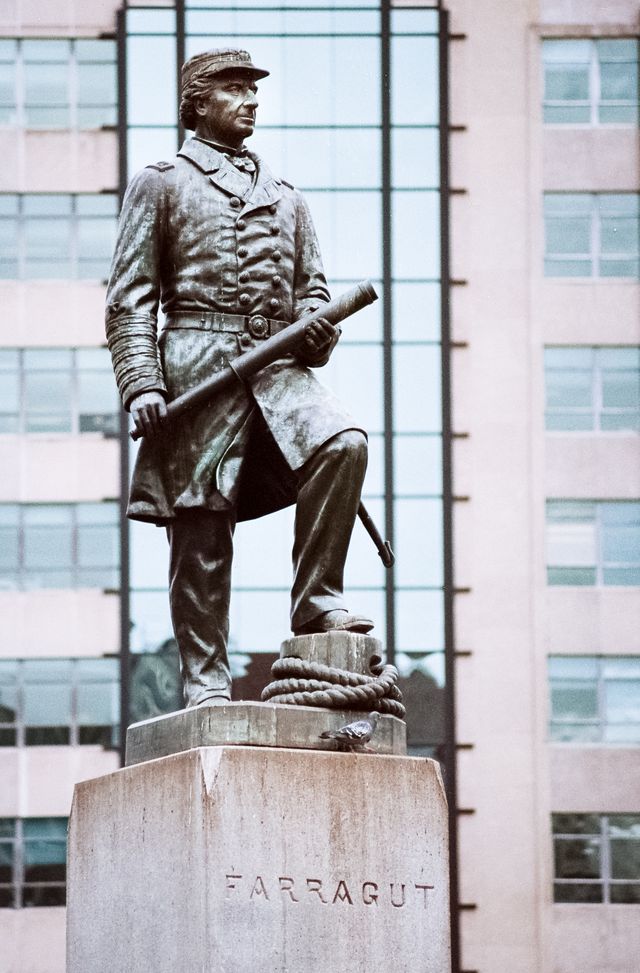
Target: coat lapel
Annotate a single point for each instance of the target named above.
(223, 174)
(266, 189)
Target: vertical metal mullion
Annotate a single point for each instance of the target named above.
(180, 59)
(605, 857)
(387, 316)
(447, 483)
(18, 880)
(73, 715)
(125, 573)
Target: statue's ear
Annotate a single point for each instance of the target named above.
(199, 106)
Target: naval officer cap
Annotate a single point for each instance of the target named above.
(210, 63)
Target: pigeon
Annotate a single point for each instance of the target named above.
(355, 736)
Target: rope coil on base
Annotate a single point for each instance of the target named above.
(301, 683)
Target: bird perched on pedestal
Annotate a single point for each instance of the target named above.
(355, 736)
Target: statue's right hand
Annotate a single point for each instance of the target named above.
(148, 410)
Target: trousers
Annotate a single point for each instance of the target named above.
(201, 552)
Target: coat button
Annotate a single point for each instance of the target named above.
(275, 229)
(241, 224)
(276, 255)
(274, 303)
(273, 209)
(276, 280)
(244, 276)
(235, 202)
(245, 339)
(244, 298)
(242, 251)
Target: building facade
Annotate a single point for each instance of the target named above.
(546, 327)
(497, 215)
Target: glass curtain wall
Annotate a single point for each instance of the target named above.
(365, 153)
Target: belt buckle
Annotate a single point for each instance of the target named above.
(258, 326)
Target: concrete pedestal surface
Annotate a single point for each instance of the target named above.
(260, 860)
(253, 724)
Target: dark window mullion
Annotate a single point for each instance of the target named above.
(387, 315)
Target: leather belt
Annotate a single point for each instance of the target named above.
(254, 324)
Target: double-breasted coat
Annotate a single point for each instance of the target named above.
(194, 237)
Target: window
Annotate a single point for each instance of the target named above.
(590, 82)
(592, 235)
(60, 545)
(597, 858)
(61, 83)
(593, 542)
(46, 235)
(33, 862)
(57, 390)
(59, 702)
(592, 389)
(595, 699)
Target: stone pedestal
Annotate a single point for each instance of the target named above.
(258, 724)
(240, 859)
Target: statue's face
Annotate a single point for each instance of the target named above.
(227, 113)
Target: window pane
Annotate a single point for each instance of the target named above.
(46, 84)
(571, 545)
(566, 82)
(578, 701)
(420, 621)
(573, 667)
(624, 824)
(47, 704)
(414, 73)
(98, 704)
(97, 546)
(418, 465)
(47, 547)
(415, 157)
(416, 311)
(418, 542)
(577, 892)
(416, 234)
(577, 857)
(417, 398)
(151, 80)
(97, 84)
(624, 893)
(622, 701)
(619, 81)
(48, 401)
(569, 235)
(625, 858)
(98, 402)
(621, 533)
(575, 824)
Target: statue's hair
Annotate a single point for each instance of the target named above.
(197, 87)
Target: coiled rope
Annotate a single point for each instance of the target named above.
(302, 683)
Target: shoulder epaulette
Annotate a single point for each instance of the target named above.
(161, 166)
(285, 183)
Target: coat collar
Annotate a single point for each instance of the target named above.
(266, 189)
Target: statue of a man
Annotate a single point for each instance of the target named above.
(230, 253)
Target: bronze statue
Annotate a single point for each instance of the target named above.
(230, 253)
